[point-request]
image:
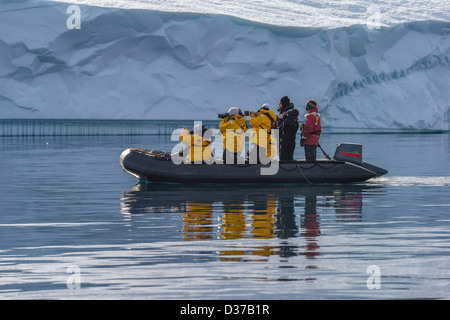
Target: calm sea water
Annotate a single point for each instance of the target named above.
(73, 225)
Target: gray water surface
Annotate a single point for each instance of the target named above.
(73, 225)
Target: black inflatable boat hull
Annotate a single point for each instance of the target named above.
(151, 166)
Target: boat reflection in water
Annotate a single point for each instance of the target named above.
(211, 212)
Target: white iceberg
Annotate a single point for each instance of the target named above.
(145, 64)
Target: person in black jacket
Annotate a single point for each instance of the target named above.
(287, 124)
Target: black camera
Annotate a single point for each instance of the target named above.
(249, 113)
(223, 115)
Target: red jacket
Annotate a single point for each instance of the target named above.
(311, 128)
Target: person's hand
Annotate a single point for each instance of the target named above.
(302, 142)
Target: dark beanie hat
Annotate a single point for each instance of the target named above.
(311, 104)
(285, 101)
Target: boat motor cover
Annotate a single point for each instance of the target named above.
(351, 152)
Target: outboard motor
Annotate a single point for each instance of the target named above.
(350, 152)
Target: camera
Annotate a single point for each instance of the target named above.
(223, 115)
(249, 113)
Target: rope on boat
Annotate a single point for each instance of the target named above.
(303, 174)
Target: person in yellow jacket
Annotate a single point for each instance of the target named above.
(233, 128)
(199, 146)
(262, 123)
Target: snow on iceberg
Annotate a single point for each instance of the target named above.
(146, 64)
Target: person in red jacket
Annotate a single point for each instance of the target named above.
(311, 130)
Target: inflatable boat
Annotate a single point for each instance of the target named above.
(346, 166)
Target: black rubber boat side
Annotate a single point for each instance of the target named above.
(154, 166)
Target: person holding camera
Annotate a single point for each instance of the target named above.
(233, 128)
(262, 123)
(287, 124)
(311, 131)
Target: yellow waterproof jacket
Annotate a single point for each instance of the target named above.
(261, 134)
(200, 148)
(233, 133)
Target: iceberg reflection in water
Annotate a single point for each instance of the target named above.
(208, 212)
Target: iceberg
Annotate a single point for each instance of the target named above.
(141, 63)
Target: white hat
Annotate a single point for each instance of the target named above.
(233, 111)
(265, 106)
(198, 128)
